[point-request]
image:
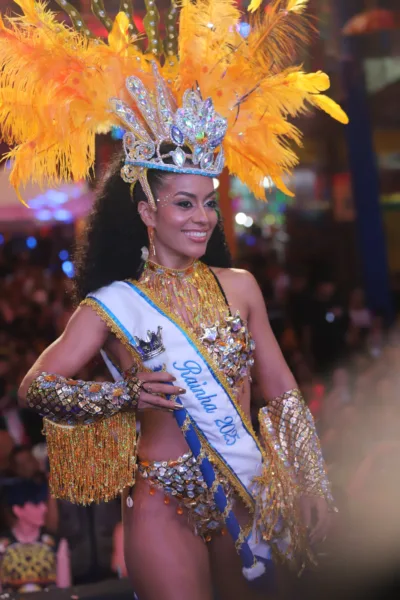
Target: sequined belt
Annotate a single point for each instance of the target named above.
(182, 480)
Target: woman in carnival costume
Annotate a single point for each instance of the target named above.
(158, 297)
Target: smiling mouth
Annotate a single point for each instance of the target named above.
(196, 235)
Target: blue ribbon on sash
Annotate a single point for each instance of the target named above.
(192, 439)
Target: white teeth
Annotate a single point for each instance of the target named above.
(198, 234)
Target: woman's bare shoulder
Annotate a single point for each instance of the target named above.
(237, 277)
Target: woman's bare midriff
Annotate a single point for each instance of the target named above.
(160, 435)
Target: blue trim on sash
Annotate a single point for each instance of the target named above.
(227, 465)
(116, 321)
(220, 498)
(143, 295)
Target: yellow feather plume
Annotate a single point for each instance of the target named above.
(309, 82)
(55, 86)
(251, 86)
(330, 107)
(297, 6)
(254, 5)
(276, 35)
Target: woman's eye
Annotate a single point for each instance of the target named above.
(184, 203)
(212, 204)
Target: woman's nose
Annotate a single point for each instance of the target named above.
(200, 215)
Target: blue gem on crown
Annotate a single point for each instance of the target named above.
(151, 346)
(195, 125)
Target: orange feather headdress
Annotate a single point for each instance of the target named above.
(56, 83)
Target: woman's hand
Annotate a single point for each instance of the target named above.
(154, 388)
(317, 505)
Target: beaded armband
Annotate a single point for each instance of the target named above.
(289, 424)
(72, 402)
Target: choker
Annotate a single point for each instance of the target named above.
(153, 267)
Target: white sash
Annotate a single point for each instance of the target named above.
(206, 400)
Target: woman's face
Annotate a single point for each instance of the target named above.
(185, 218)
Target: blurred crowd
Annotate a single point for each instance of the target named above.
(345, 359)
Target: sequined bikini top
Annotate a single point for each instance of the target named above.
(195, 297)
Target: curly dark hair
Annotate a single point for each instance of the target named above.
(111, 246)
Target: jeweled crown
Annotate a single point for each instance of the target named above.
(150, 347)
(196, 126)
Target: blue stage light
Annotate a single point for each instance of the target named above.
(31, 242)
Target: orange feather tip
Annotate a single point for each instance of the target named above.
(20, 198)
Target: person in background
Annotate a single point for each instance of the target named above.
(25, 427)
(376, 337)
(298, 306)
(31, 559)
(327, 327)
(6, 446)
(24, 465)
(360, 320)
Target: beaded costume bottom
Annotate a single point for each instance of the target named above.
(182, 479)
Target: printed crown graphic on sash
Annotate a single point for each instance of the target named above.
(152, 346)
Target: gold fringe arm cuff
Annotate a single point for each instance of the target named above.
(288, 423)
(91, 438)
(92, 463)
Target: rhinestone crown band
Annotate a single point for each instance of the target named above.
(196, 126)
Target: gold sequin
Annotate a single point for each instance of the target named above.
(289, 423)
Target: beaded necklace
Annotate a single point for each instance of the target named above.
(192, 294)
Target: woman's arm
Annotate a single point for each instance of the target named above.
(48, 389)
(82, 339)
(286, 422)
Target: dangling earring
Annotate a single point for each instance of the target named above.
(152, 250)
